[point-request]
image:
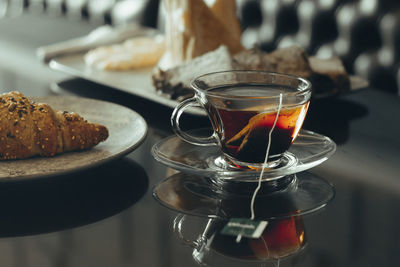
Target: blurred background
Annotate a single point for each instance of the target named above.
(365, 34)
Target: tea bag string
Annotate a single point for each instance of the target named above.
(265, 160)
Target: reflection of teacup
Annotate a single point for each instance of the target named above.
(281, 238)
(246, 108)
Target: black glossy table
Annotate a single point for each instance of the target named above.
(106, 216)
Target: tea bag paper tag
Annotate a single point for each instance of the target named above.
(244, 227)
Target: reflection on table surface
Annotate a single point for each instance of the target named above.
(53, 204)
(287, 196)
(282, 239)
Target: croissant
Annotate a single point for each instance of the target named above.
(30, 129)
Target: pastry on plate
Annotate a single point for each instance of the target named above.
(174, 82)
(30, 129)
(134, 53)
(326, 75)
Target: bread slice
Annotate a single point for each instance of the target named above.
(134, 53)
(174, 82)
(225, 11)
(330, 75)
(292, 60)
(192, 30)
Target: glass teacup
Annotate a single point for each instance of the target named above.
(252, 113)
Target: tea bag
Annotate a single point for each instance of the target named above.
(250, 141)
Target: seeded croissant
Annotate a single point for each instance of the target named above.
(29, 129)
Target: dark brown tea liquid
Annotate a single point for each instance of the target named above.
(244, 131)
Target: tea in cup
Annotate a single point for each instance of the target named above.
(252, 113)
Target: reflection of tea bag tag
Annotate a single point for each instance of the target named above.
(243, 227)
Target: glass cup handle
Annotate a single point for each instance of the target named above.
(178, 229)
(177, 226)
(176, 114)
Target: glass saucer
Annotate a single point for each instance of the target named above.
(308, 150)
(293, 195)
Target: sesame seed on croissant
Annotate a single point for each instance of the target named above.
(30, 129)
